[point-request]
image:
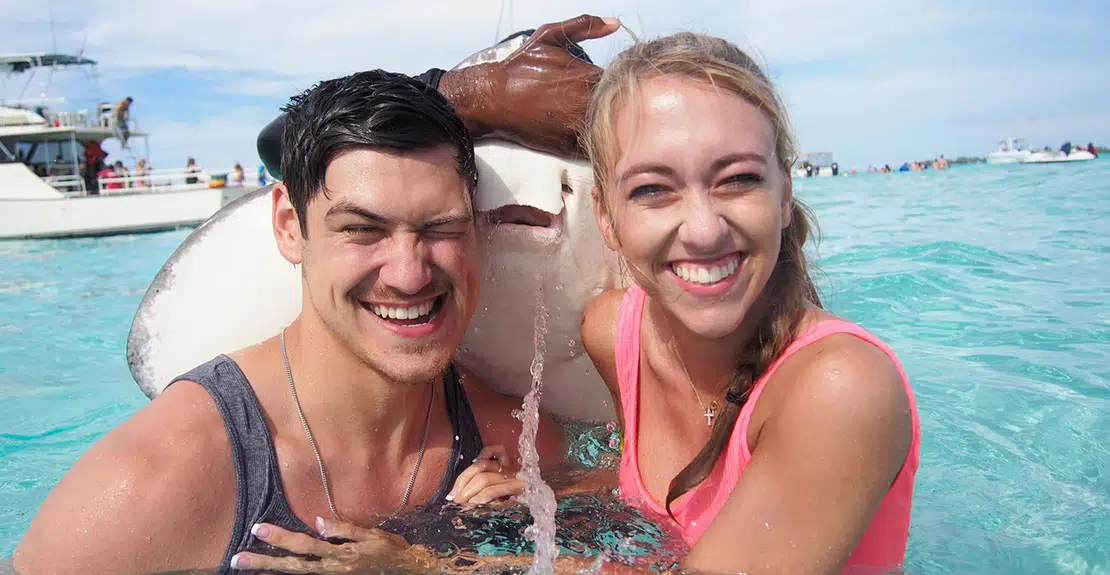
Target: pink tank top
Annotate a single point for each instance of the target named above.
(884, 541)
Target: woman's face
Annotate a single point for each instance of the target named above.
(698, 201)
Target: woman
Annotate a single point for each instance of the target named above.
(783, 439)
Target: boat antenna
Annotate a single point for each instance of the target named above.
(53, 34)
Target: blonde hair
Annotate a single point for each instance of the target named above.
(790, 289)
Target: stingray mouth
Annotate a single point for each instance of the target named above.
(520, 216)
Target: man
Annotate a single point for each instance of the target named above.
(354, 410)
(123, 116)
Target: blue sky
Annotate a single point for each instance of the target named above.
(871, 81)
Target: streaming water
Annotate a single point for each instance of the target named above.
(538, 495)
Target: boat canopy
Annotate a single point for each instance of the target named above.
(14, 63)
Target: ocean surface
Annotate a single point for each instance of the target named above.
(991, 282)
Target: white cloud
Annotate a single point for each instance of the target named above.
(870, 80)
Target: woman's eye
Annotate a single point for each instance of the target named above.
(646, 191)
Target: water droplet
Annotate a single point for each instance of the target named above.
(558, 288)
(518, 414)
(588, 372)
(572, 343)
(456, 438)
(604, 403)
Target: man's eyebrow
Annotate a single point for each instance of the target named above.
(447, 221)
(344, 207)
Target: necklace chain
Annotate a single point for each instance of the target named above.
(708, 412)
(316, 451)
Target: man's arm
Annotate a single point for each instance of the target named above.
(155, 494)
(536, 97)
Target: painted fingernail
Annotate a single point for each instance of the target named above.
(611, 21)
(260, 531)
(240, 562)
(450, 497)
(320, 525)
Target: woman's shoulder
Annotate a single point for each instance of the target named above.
(839, 368)
(600, 318)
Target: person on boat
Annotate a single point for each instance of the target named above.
(142, 173)
(355, 410)
(191, 171)
(238, 176)
(122, 114)
(783, 439)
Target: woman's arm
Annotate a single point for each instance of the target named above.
(599, 336)
(823, 461)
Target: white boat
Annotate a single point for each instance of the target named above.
(1058, 156)
(814, 164)
(44, 192)
(1010, 151)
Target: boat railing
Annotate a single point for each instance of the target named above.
(104, 117)
(161, 180)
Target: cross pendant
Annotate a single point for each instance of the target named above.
(709, 416)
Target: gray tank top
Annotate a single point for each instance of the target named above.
(260, 497)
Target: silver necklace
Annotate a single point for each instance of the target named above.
(707, 412)
(320, 461)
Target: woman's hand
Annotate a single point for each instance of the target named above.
(491, 477)
(366, 549)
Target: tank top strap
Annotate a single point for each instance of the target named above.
(627, 347)
(257, 477)
(467, 442)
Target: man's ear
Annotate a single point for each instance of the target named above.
(287, 227)
(604, 221)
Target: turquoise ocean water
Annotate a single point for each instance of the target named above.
(991, 282)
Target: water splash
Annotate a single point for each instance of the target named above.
(538, 495)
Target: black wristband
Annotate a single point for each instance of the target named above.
(432, 77)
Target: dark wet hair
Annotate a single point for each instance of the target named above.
(372, 109)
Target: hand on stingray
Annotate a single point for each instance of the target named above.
(365, 549)
(537, 96)
(491, 477)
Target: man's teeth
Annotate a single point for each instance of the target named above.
(705, 275)
(388, 312)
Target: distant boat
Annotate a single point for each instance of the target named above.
(811, 164)
(44, 194)
(1058, 156)
(1010, 151)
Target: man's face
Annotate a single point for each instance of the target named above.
(389, 261)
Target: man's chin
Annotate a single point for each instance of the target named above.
(412, 367)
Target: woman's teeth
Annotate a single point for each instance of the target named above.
(412, 312)
(698, 274)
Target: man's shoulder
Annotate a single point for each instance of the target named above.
(139, 492)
